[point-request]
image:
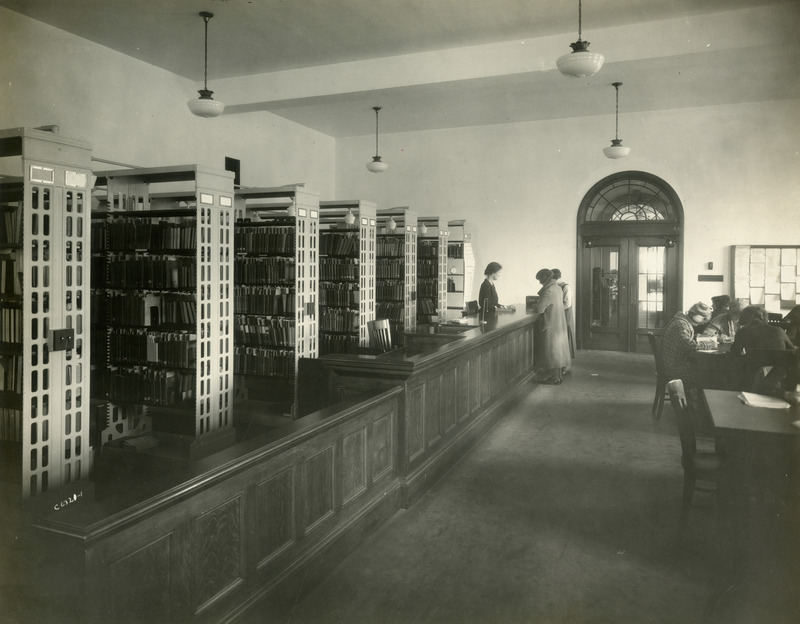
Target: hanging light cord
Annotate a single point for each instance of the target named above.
(376, 108)
(617, 85)
(206, 17)
(579, 20)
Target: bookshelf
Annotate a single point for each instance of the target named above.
(44, 311)
(276, 277)
(347, 239)
(396, 270)
(460, 268)
(165, 370)
(431, 270)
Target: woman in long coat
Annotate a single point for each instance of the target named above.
(554, 355)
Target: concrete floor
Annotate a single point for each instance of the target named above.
(565, 512)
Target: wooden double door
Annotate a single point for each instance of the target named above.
(628, 286)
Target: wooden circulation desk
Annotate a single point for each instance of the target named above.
(270, 516)
(456, 380)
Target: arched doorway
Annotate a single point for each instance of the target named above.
(630, 261)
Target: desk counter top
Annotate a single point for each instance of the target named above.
(730, 414)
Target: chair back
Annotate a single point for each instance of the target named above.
(683, 417)
(655, 347)
(380, 335)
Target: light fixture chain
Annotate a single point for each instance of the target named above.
(205, 57)
(616, 116)
(579, 20)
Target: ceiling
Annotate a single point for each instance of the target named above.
(249, 37)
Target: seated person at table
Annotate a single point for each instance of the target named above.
(778, 381)
(793, 319)
(725, 324)
(755, 333)
(678, 343)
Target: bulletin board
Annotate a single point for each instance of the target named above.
(767, 276)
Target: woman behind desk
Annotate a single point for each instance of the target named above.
(487, 296)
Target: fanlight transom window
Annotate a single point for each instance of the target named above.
(630, 199)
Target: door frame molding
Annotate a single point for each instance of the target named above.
(586, 231)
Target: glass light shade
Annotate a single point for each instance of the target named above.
(205, 105)
(392, 224)
(579, 64)
(349, 218)
(376, 165)
(616, 149)
(423, 229)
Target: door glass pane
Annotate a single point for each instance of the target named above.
(650, 270)
(605, 286)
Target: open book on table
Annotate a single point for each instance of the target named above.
(761, 400)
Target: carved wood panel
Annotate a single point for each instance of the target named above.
(354, 464)
(462, 390)
(274, 515)
(433, 411)
(415, 421)
(382, 447)
(449, 399)
(318, 488)
(474, 383)
(138, 585)
(219, 552)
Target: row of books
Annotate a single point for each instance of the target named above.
(263, 361)
(279, 270)
(157, 237)
(11, 325)
(392, 310)
(148, 310)
(10, 278)
(151, 273)
(390, 290)
(151, 386)
(390, 246)
(269, 300)
(426, 306)
(10, 424)
(264, 331)
(341, 294)
(11, 233)
(339, 243)
(140, 348)
(427, 268)
(455, 250)
(11, 373)
(338, 320)
(270, 239)
(337, 343)
(428, 287)
(389, 268)
(344, 269)
(427, 248)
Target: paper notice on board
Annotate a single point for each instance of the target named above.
(772, 303)
(756, 296)
(741, 290)
(758, 254)
(772, 286)
(789, 256)
(788, 292)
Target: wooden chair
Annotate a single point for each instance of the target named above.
(699, 467)
(380, 335)
(661, 379)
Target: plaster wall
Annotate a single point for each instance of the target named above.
(135, 113)
(519, 186)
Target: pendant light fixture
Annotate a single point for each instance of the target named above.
(580, 62)
(205, 105)
(375, 165)
(349, 218)
(616, 149)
